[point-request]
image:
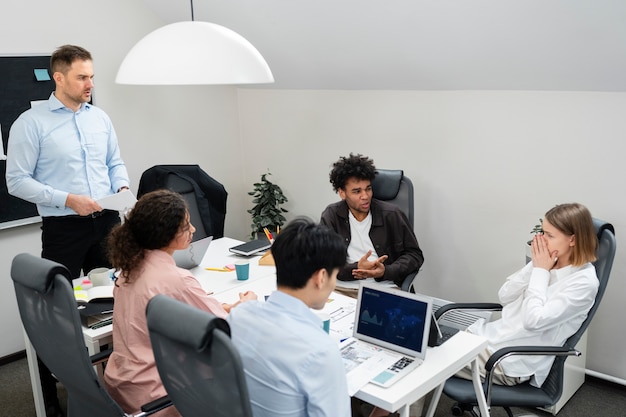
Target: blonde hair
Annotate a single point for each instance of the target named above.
(575, 219)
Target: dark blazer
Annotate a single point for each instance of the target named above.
(210, 194)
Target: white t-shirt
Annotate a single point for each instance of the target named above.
(360, 241)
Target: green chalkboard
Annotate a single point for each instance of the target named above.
(19, 85)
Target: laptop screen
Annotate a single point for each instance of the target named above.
(394, 319)
(193, 254)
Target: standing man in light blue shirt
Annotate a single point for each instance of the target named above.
(63, 155)
(293, 368)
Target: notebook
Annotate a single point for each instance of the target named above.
(192, 256)
(395, 322)
(251, 248)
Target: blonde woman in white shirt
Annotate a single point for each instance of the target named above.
(546, 301)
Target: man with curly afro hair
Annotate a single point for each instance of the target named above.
(380, 241)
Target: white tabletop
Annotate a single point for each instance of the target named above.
(441, 363)
(218, 256)
(214, 282)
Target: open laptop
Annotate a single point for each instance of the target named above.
(192, 256)
(396, 321)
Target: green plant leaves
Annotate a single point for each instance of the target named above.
(266, 211)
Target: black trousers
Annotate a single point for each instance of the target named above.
(78, 243)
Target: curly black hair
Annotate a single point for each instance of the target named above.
(152, 224)
(358, 166)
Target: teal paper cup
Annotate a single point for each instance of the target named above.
(243, 270)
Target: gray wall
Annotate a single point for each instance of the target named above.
(486, 165)
(155, 125)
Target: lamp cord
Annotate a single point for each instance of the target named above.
(192, 19)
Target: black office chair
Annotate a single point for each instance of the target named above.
(392, 186)
(525, 395)
(205, 197)
(48, 311)
(200, 368)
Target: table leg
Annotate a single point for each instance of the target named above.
(478, 389)
(93, 347)
(434, 401)
(404, 411)
(35, 381)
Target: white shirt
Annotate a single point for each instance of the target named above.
(360, 241)
(541, 308)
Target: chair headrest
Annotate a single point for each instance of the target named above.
(36, 273)
(601, 226)
(182, 322)
(386, 184)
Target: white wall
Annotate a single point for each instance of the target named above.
(485, 165)
(155, 125)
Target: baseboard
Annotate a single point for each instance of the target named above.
(605, 377)
(12, 357)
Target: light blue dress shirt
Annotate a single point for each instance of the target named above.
(54, 151)
(293, 368)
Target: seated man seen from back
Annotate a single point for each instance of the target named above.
(380, 241)
(293, 367)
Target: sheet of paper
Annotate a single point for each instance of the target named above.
(341, 310)
(363, 362)
(122, 201)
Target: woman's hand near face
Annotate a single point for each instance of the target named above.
(541, 256)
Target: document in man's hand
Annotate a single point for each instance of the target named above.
(122, 201)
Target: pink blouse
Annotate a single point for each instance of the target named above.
(131, 376)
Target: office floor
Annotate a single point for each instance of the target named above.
(595, 398)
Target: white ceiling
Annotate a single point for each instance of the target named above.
(577, 45)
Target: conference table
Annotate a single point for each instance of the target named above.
(441, 362)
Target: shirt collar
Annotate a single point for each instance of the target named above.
(561, 273)
(292, 304)
(55, 104)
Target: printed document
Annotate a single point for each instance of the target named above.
(122, 201)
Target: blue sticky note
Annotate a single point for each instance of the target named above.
(41, 74)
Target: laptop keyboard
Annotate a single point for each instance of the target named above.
(445, 335)
(400, 364)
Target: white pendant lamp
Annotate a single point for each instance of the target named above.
(191, 53)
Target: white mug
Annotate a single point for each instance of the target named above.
(100, 277)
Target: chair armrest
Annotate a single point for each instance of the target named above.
(101, 356)
(501, 354)
(408, 280)
(156, 405)
(467, 306)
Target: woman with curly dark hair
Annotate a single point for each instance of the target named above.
(141, 250)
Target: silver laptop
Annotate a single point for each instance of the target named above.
(394, 320)
(453, 322)
(192, 256)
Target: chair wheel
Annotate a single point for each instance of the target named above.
(456, 410)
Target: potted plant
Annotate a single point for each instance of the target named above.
(535, 231)
(268, 197)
